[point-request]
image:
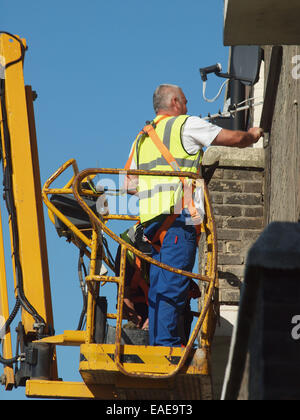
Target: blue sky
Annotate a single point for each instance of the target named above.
(95, 65)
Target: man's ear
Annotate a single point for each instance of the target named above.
(175, 103)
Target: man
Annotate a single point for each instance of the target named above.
(184, 136)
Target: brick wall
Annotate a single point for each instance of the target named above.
(236, 191)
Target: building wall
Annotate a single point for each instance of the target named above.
(255, 186)
(237, 195)
(258, 94)
(282, 198)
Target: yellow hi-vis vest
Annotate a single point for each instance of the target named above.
(160, 194)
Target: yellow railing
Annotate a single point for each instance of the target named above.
(94, 280)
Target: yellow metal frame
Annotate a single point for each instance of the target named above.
(94, 281)
(99, 224)
(18, 118)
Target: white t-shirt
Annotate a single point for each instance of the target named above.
(198, 133)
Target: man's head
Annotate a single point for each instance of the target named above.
(170, 100)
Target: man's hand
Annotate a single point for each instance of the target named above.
(146, 325)
(131, 184)
(256, 132)
(130, 313)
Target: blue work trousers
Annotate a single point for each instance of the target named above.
(168, 293)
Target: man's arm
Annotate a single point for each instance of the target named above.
(235, 138)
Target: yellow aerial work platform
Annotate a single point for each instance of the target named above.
(108, 370)
(124, 371)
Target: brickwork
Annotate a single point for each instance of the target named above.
(236, 194)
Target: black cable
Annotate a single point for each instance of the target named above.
(109, 255)
(4, 330)
(23, 49)
(11, 317)
(9, 361)
(81, 267)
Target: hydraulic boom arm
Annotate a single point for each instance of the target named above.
(22, 196)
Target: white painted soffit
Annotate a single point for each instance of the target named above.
(262, 22)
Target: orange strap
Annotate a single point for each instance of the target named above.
(149, 129)
(161, 232)
(128, 163)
